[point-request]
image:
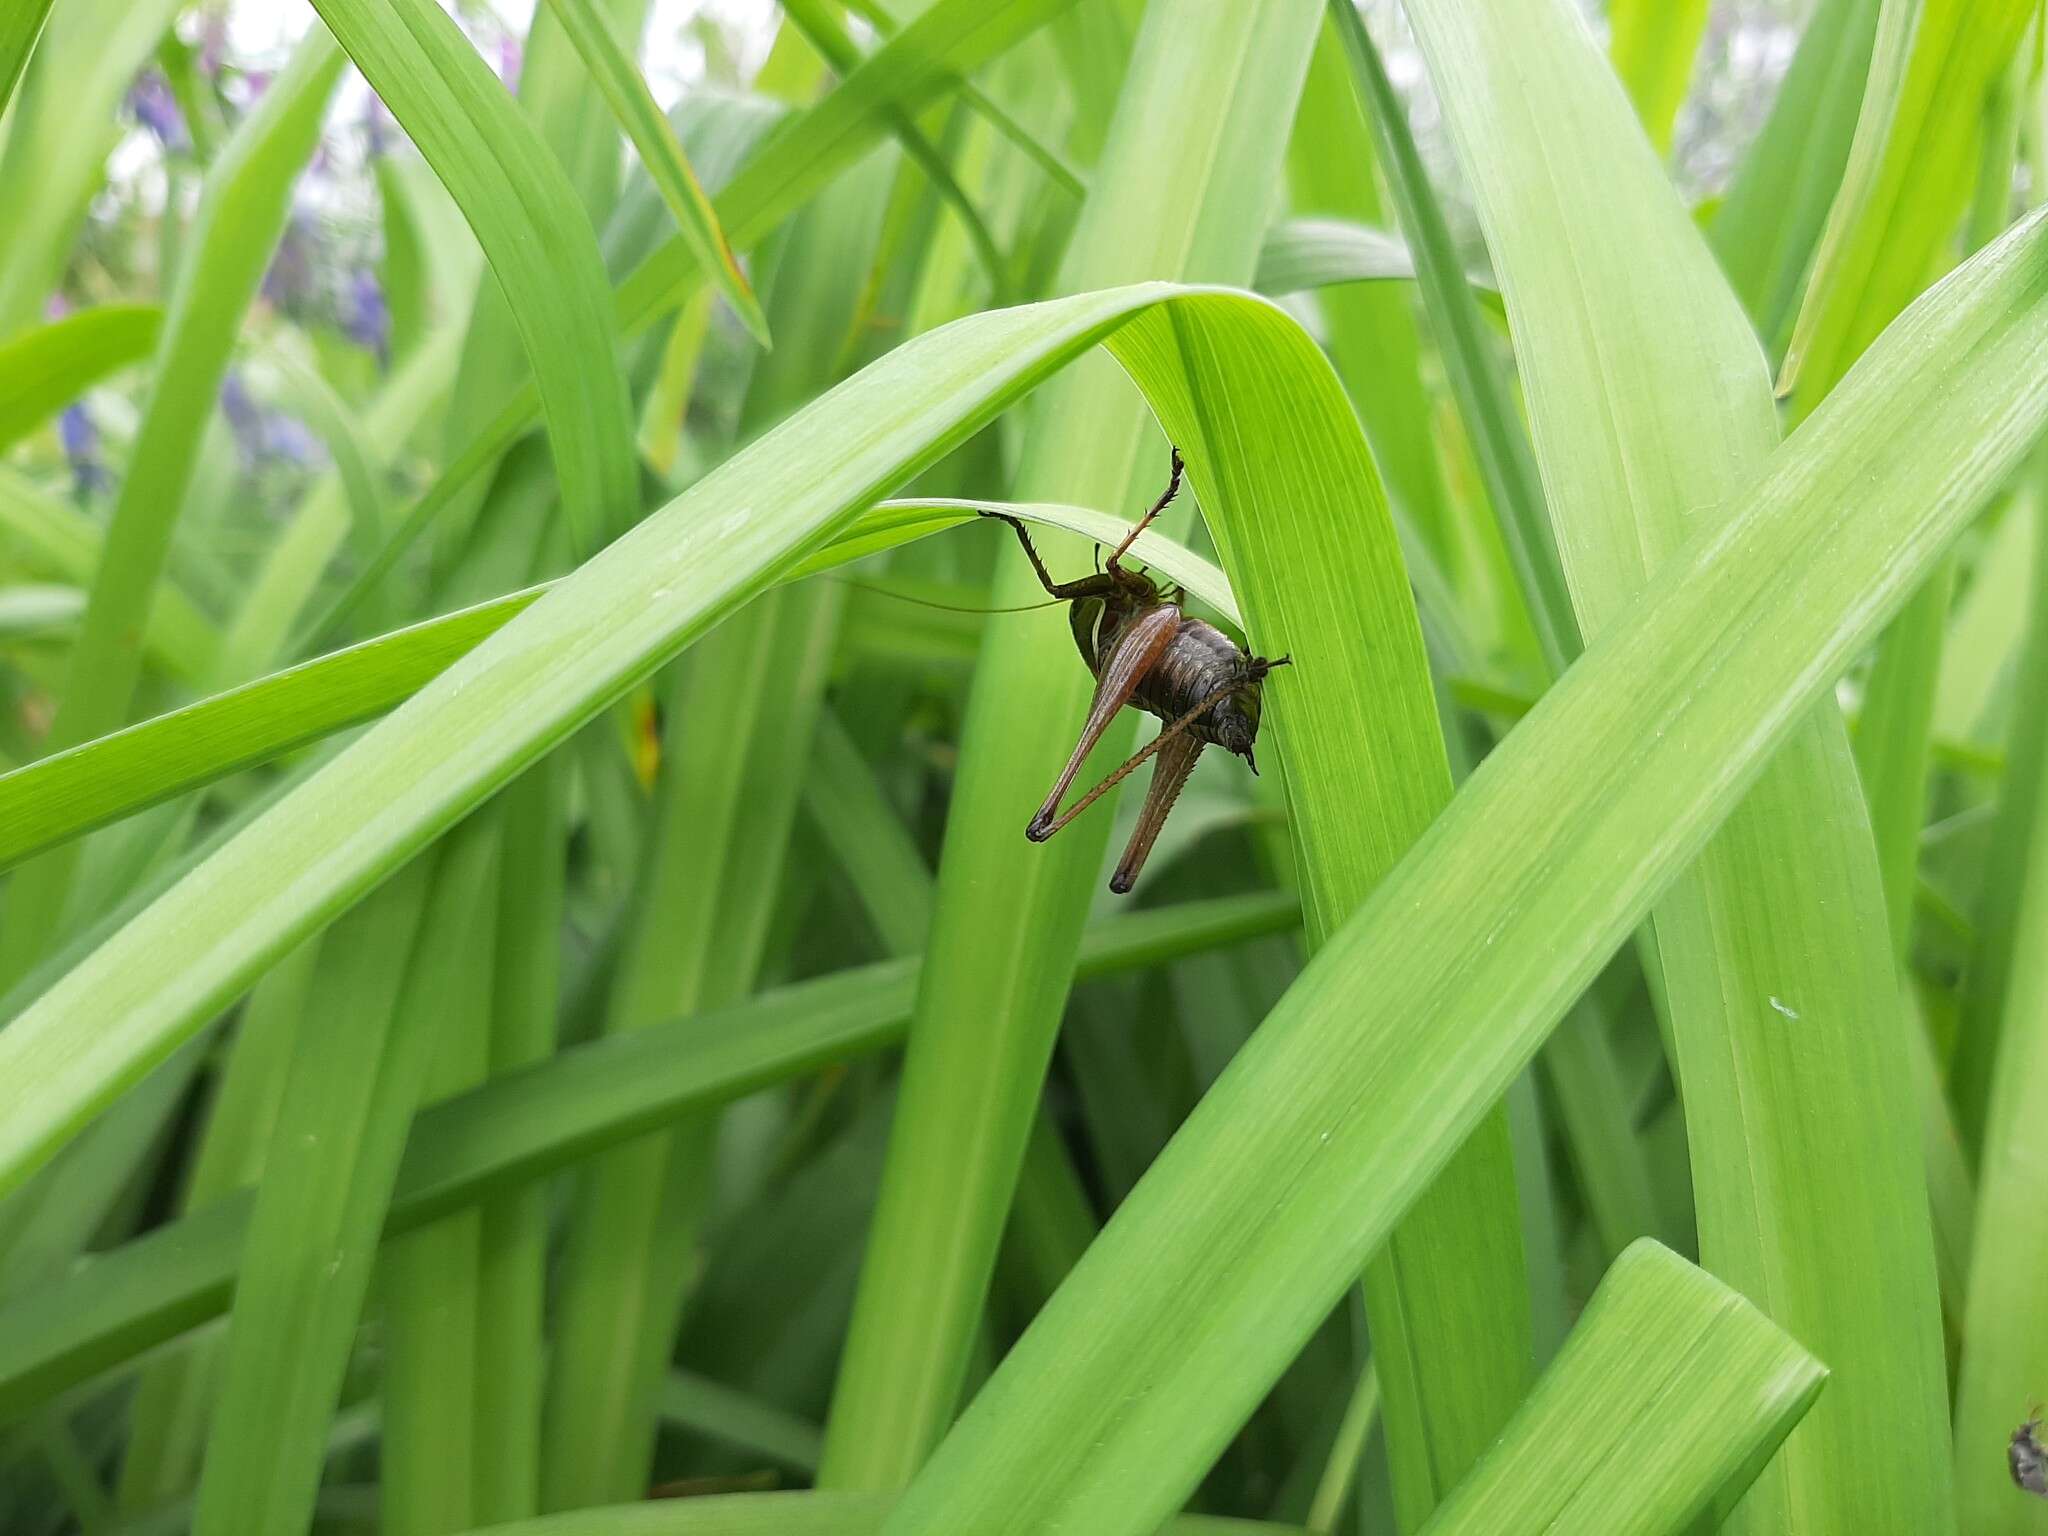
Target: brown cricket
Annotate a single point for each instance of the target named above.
(1145, 652)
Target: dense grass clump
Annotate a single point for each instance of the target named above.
(525, 999)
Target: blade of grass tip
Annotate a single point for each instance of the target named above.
(2003, 1086)
(44, 370)
(611, 66)
(1782, 995)
(174, 1399)
(1777, 205)
(1292, 1169)
(727, 802)
(845, 804)
(1654, 45)
(355, 1083)
(241, 216)
(510, 1133)
(1008, 917)
(62, 124)
(19, 30)
(534, 232)
(1987, 633)
(1372, 332)
(1478, 381)
(1669, 1395)
(1906, 189)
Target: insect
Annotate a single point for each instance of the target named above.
(1145, 652)
(2028, 1457)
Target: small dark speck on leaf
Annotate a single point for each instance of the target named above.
(2028, 1458)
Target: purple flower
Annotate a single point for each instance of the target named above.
(81, 440)
(289, 282)
(510, 59)
(265, 436)
(156, 108)
(366, 317)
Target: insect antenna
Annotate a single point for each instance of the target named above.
(927, 602)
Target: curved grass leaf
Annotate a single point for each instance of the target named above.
(1418, 1014)
(525, 1125)
(1651, 411)
(44, 370)
(611, 66)
(1671, 1391)
(56, 798)
(534, 234)
(1316, 253)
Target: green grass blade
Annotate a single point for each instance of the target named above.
(1626, 356)
(1478, 382)
(794, 1514)
(1671, 1391)
(1999, 1080)
(1008, 917)
(1418, 1014)
(44, 370)
(56, 798)
(355, 1083)
(61, 126)
(533, 230)
(241, 216)
(1319, 253)
(1776, 207)
(1373, 338)
(1654, 46)
(612, 67)
(509, 1133)
(19, 30)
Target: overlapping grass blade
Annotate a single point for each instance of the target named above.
(534, 233)
(1654, 46)
(1625, 359)
(56, 798)
(612, 66)
(241, 216)
(996, 979)
(1671, 1392)
(511, 1132)
(1419, 1013)
(44, 370)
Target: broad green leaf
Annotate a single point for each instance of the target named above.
(528, 1124)
(533, 230)
(1910, 174)
(1191, 204)
(241, 215)
(1654, 46)
(1671, 1390)
(1651, 413)
(44, 370)
(56, 798)
(2003, 1085)
(612, 66)
(1419, 1013)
